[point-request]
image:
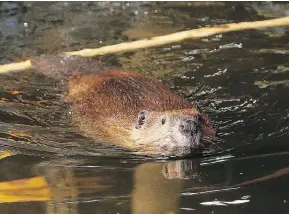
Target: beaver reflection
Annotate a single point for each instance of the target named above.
(76, 187)
(181, 169)
(156, 187)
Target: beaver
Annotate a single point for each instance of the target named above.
(131, 110)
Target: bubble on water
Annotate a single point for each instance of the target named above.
(246, 197)
(220, 72)
(176, 46)
(187, 208)
(231, 45)
(216, 39)
(189, 58)
(167, 49)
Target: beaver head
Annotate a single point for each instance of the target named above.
(176, 132)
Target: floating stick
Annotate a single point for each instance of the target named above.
(159, 40)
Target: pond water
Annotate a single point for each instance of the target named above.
(240, 79)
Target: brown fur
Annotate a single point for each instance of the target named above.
(111, 100)
(106, 105)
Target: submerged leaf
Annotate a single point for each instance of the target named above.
(4, 154)
(2, 99)
(30, 189)
(14, 92)
(17, 133)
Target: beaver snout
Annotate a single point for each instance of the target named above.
(189, 127)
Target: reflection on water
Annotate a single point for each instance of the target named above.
(70, 183)
(79, 186)
(240, 79)
(62, 185)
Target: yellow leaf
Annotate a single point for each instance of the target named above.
(14, 92)
(5, 154)
(19, 133)
(30, 189)
(2, 99)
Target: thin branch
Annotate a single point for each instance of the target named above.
(160, 40)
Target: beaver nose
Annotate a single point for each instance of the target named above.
(189, 127)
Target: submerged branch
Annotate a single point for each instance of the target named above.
(160, 40)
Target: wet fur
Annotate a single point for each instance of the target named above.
(105, 105)
(112, 100)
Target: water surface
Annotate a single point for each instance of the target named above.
(240, 79)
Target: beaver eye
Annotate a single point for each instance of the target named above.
(141, 118)
(163, 121)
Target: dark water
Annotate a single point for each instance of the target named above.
(240, 79)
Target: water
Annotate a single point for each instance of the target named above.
(240, 79)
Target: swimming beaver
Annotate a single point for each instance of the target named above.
(133, 111)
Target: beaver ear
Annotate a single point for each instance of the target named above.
(208, 130)
(142, 115)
